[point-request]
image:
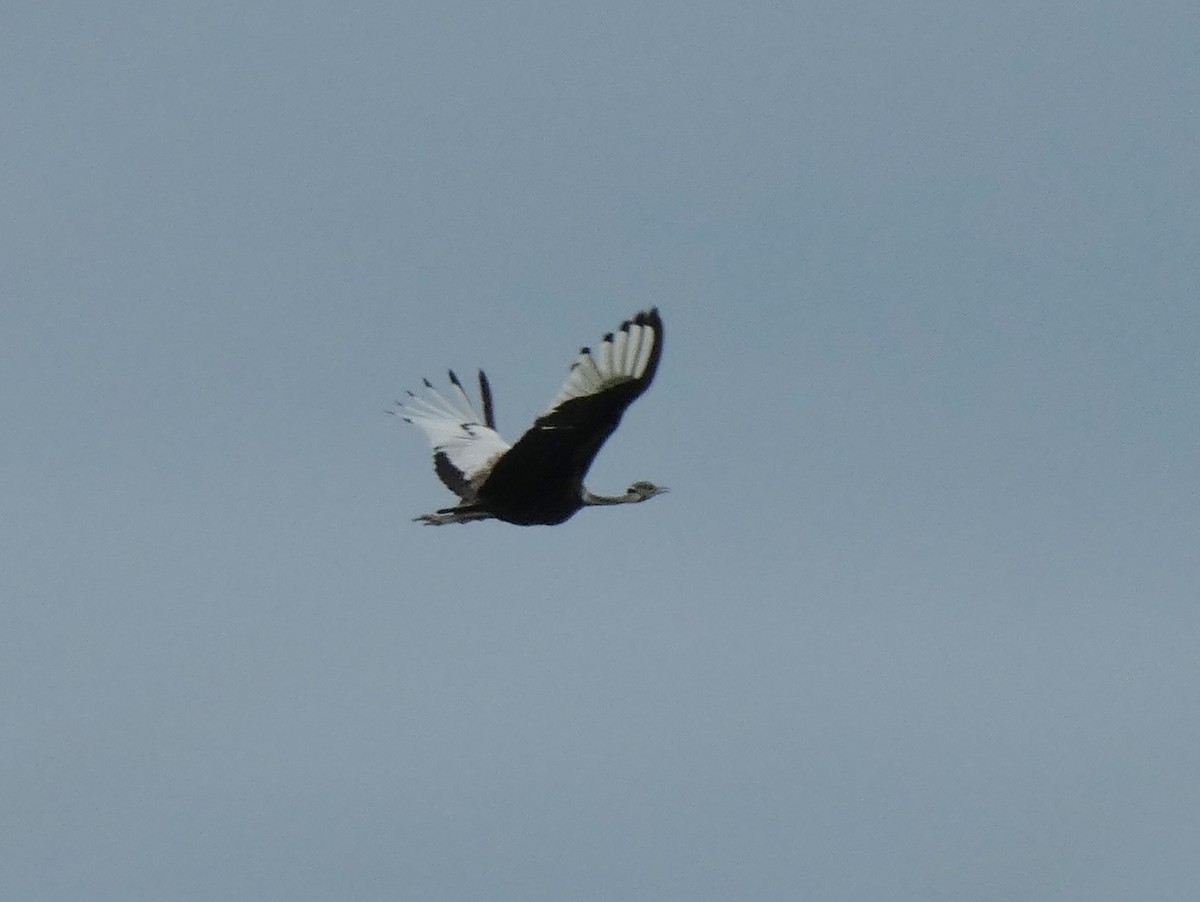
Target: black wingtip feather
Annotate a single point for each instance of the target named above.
(454, 379)
(485, 392)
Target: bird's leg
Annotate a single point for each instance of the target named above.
(452, 515)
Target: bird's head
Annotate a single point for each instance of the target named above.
(642, 490)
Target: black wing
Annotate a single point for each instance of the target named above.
(552, 458)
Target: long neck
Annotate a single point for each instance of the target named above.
(590, 499)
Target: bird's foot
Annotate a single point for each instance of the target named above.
(437, 519)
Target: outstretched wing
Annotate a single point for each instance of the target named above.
(465, 445)
(556, 452)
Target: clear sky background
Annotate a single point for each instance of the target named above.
(920, 618)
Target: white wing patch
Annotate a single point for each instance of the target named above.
(455, 429)
(621, 357)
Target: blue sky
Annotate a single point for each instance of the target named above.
(919, 618)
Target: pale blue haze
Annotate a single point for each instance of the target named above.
(920, 618)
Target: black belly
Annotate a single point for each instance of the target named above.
(545, 512)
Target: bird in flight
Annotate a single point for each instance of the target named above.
(539, 480)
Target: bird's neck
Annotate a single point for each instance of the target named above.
(590, 499)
